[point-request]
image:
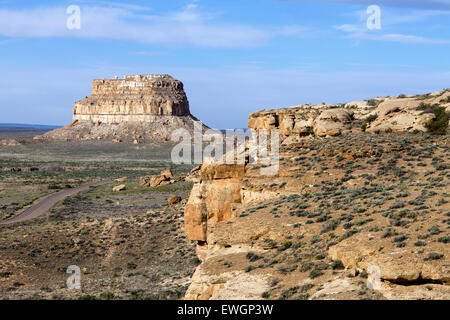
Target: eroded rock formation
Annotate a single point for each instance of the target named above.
(394, 114)
(343, 203)
(135, 108)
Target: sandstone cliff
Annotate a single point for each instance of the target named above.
(349, 214)
(392, 114)
(135, 108)
(338, 209)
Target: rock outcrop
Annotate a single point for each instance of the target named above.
(136, 108)
(164, 178)
(338, 210)
(10, 143)
(389, 114)
(213, 198)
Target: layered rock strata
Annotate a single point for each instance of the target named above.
(136, 108)
(343, 204)
(393, 114)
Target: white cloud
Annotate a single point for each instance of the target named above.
(358, 33)
(390, 19)
(293, 30)
(148, 53)
(423, 4)
(404, 38)
(190, 26)
(378, 65)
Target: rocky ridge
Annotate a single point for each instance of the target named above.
(348, 215)
(397, 114)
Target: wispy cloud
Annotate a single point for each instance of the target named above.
(378, 65)
(390, 20)
(293, 30)
(359, 32)
(187, 27)
(422, 4)
(147, 53)
(392, 17)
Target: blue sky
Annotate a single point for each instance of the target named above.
(234, 57)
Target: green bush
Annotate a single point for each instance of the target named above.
(368, 121)
(107, 295)
(87, 297)
(315, 273)
(337, 264)
(374, 102)
(439, 125)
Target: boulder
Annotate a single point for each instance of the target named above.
(167, 173)
(119, 188)
(174, 200)
(194, 174)
(159, 180)
(332, 122)
(154, 181)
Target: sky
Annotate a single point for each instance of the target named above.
(234, 57)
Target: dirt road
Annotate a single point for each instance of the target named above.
(43, 205)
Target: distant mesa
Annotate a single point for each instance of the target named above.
(134, 98)
(135, 108)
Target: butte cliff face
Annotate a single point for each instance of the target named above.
(136, 108)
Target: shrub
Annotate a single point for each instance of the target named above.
(434, 256)
(329, 226)
(303, 296)
(107, 295)
(389, 233)
(315, 273)
(131, 265)
(285, 245)
(397, 205)
(249, 268)
(439, 125)
(87, 297)
(289, 292)
(368, 121)
(253, 256)
(374, 102)
(400, 238)
(400, 244)
(426, 107)
(337, 264)
(445, 239)
(347, 225)
(348, 234)
(434, 230)
(314, 239)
